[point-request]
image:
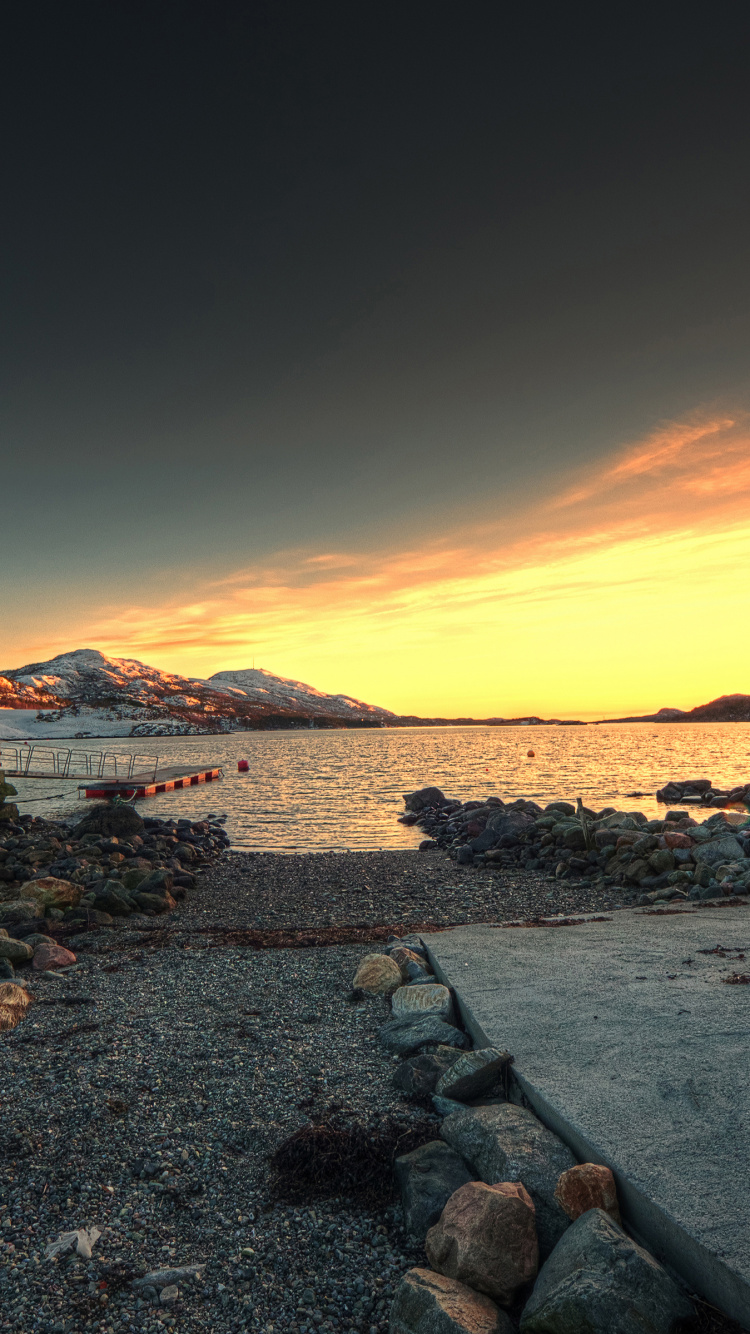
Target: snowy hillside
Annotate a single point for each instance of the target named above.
(87, 693)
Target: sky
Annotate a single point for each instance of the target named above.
(400, 349)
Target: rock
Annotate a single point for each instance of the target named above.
(402, 957)
(14, 1002)
(378, 975)
(111, 899)
(163, 1278)
(418, 1076)
(415, 1002)
(9, 812)
(34, 939)
(109, 818)
(507, 1143)
(444, 1106)
(587, 1186)
(427, 1178)
(158, 881)
(465, 855)
(723, 849)
(405, 1036)
(674, 840)
(20, 910)
(6, 970)
(429, 1303)
(474, 1073)
(157, 903)
(486, 1238)
(661, 860)
(426, 796)
(600, 1281)
(133, 878)
(52, 956)
(15, 951)
(51, 892)
(169, 1294)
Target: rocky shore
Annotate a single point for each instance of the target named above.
(617, 852)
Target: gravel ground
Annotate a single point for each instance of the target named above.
(148, 1087)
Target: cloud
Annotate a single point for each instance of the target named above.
(596, 596)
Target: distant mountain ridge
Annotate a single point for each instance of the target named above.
(724, 709)
(87, 686)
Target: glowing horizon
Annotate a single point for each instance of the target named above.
(616, 596)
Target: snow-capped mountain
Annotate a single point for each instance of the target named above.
(102, 694)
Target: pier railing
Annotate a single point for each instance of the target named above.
(35, 761)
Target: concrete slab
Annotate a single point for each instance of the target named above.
(629, 1044)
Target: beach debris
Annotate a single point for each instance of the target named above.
(83, 1239)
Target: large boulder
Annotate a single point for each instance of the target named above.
(427, 1177)
(51, 892)
(377, 974)
(486, 1238)
(52, 956)
(429, 1303)
(502, 824)
(405, 1036)
(158, 881)
(424, 797)
(474, 1073)
(429, 998)
(503, 1142)
(109, 818)
(726, 848)
(599, 1281)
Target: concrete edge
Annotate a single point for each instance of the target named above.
(702, 1272)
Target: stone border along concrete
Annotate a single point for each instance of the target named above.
(503, 1189)
(706, 1271)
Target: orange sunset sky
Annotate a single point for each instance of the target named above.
(622, 592)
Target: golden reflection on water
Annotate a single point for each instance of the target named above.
(311, 790)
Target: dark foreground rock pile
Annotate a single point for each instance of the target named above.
(701, 792)
(111, 864)
(652, 860)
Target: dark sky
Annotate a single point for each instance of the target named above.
(332, 274)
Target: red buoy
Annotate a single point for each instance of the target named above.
(530, 754)
(243, 766)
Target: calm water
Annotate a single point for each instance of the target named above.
(316, 790)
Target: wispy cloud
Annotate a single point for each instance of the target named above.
(588, 601)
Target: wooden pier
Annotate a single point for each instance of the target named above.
(148, 785)
(105, 773)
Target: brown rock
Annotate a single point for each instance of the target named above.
(486, 1237)
(428, 1303)
(14, 1002)
(401, 956)
(52, 956)
(51, 892)
(677, 841)
(587, 1186)
(378, 974)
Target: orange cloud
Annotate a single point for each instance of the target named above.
(617, 596)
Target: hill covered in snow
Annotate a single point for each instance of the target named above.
(87, 693)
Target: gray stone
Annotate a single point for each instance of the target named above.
(157, 882)
(418, 1002)
(430, 1303)
(444, 1106)
(473, 1074)
(598, 1281)
(16, 951)
(724, 849)
(507, 1143)
(427, 1178)
(426, 796)
(163, 1278)
(6, 970)
(404, 1037)
(418, 1076)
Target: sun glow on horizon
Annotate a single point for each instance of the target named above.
(622, 594)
